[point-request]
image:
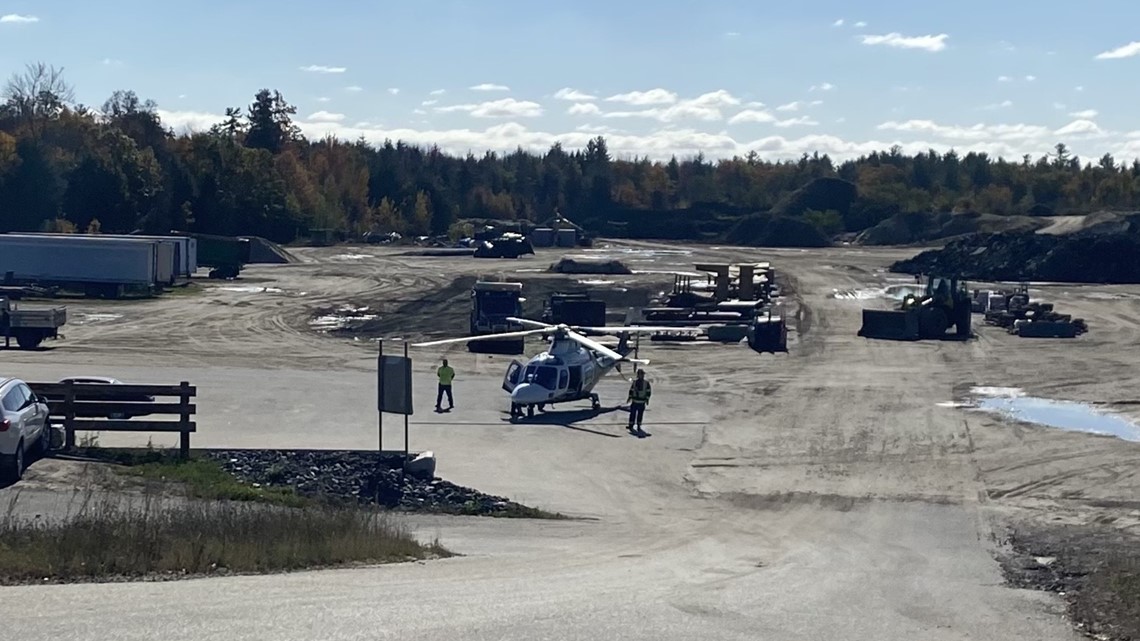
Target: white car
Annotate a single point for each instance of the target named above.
(24, 426)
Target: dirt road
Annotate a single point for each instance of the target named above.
(822, 494)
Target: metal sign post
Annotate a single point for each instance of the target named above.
(394, 390)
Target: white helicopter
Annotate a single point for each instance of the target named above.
(568, 370)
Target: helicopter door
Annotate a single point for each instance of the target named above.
(563, 379)
(511, 379)
(575, 377)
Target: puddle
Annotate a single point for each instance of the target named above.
(1065, 415)
(84, 319)
(346, 317)
(350, 257)
(253, 289)
(893, 292)
(668, 271)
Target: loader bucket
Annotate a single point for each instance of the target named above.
(890, 325)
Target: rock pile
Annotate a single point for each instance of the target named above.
(1078, 258)
(568, 265)
(364, 477)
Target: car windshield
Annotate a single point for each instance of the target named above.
(544, 375)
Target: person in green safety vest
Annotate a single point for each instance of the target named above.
(639, 392)
(446, 375)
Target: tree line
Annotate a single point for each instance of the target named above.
(67, 166)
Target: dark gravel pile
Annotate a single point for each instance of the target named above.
(365, 477)
(1079, 258)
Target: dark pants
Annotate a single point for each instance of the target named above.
(636, 412)
(444, 389)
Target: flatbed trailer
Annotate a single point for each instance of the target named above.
(29, 327)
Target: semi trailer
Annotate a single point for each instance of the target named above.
(182, 253)
(97, 267)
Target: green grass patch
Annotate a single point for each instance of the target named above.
(112, 537)
(200, 478)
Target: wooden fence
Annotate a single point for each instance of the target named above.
(103, 407)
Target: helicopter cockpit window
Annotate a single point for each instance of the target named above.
(543, 375)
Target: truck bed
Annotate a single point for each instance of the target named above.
(54, 318)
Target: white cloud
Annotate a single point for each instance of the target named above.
(860, 24)
(894, 39)
(1125, 51)
(1059, 106)
(1087, 114)
(323, 99)
(419, 112)
(756, 104)
(1079, 127)
(1008, 141)
(840, 120)
(705, 107)
(505, 108)
(394, 90)
(1004, 79)
(751, 115)
(487, 86)
(599, 129)
(1079, 88)
(438, 92)
(16, 18)
(978, 132)
(1030, 78)
(187, 121)
(324, 69)
(827, 86)
(732, 34)
(797, 105)
(584, 109)
(324, 116)
(428, 103)
(642, 98)
(1007, 46)
(567, 93)
(1005, 104)
(838, 23)
(354, 88)
(802, 121)
(112, 62)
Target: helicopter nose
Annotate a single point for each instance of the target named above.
(528, 394)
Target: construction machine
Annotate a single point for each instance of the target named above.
(945, 303)
(493, 305)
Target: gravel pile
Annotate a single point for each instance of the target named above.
(1079, 258)
(365, 477)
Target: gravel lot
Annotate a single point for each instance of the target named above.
(832, 492)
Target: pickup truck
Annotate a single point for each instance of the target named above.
(29, 326)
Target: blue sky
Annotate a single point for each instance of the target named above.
(720, 76)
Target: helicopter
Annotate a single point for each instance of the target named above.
(568, 370)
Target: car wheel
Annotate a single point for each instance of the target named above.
(14, 464)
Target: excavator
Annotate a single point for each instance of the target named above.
(945, 304)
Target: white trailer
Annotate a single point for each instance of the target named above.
(185, 250)
(167, 267)
(103, 267)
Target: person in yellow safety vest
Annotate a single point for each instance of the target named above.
(446, 375)
(639, 392)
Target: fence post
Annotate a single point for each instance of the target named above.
(184, 435)
(69, 416)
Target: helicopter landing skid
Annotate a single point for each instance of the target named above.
(517, 409)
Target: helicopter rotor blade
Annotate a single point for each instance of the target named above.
(482, 337)
(637, 329)
(526, 322)
(602, 349)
